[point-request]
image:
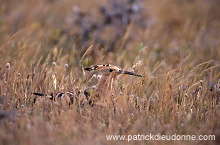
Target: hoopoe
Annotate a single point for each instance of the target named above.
(108, 74)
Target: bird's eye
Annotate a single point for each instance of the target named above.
(110, 70)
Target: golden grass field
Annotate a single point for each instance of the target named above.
(44, 45)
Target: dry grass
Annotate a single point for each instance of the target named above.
(177, 53)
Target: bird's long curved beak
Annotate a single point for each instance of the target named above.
(128, 73)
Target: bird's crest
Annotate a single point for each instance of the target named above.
(107, 69)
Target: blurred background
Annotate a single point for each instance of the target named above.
(45, 45)
(169, 29)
